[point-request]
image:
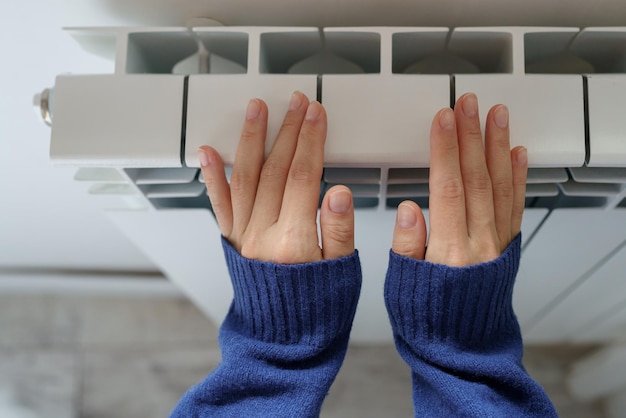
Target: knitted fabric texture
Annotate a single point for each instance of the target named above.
(455, 328)
(283, 340)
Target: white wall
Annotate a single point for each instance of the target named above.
(46, 219)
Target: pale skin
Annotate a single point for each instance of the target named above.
(268, 211)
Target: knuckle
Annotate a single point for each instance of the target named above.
(503, 188)
(448, 145)
(479, 183)
(250, 245)
(502, 145)
(452, 190)
(273, 169)
(472, 132)
(405, 248)
(248, 135)
(459, 258)
(449, 254)
(239, 181)
(302, 172)
(290, 125)
(341, 233)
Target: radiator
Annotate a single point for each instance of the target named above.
(133, 135)
(175, 89)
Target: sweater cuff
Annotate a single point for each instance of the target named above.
(466, 306)
(309, 303)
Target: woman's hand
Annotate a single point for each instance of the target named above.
(269, 210)
(476, 193)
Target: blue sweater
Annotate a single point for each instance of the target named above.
(286, 334)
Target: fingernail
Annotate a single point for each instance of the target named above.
(313, 111)
(254, 108)
(446, 119)
(502, 117)
(295, 101)
(470, 105)
(406, 217)
(522, 156)
(340, 201)
(203, 158)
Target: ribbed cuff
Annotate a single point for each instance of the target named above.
(465, 306)
(308, 303)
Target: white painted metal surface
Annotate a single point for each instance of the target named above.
(185, 245)
(217, 108)
(604, 48)
(606, 110)
(393, 129)
(115, 121)
(596, 296)
(570, 243)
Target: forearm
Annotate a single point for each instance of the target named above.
(283, 341)
(456, 329)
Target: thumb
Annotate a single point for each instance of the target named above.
(337, 223)
(409, 234)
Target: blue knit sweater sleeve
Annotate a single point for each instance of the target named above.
(283, 340)
(456, 329)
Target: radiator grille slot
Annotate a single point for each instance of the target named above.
(352, 175)
(599, 175)
(145, 176)
(328, 52)
(541, 190)
(572, 188)
(360, 190)
(173, 190)
(572, 52)
(158, 52)
(461, 52)
(407, 190)
(547, 175)
(392, 203)
(408, 175)
(99, 175)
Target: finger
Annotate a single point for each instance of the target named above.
(212, 168)
(519, 161)
(248, 161)
(302, 189)
(447, 199)
(498, 152)
(337, 223)
(409, 234)
(476, 182)
(274, 173)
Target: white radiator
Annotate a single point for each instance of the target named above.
(175, 89)
(134, 135)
